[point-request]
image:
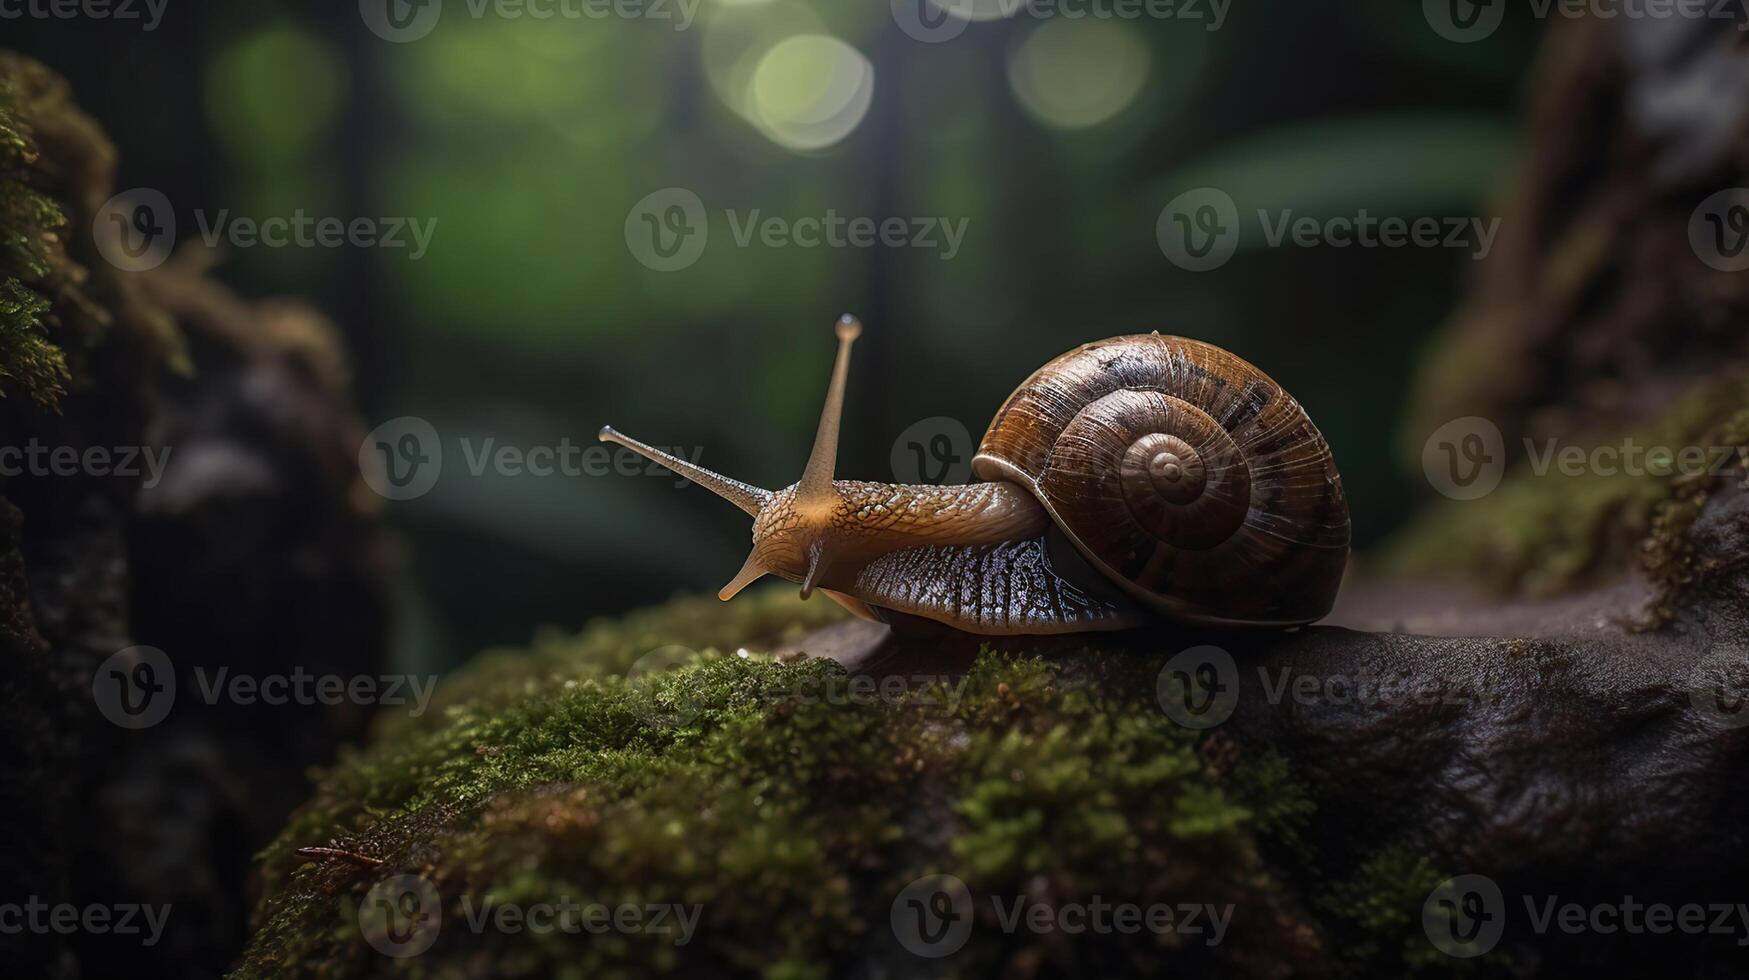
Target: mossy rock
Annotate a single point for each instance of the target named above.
(791, 803)
(1542, 534)
(32, 229)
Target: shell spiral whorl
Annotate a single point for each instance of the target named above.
(1187, 475)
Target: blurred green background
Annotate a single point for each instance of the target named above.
(530, 320)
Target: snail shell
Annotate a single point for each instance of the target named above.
(1184, 474)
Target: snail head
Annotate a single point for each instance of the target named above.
(793, 527)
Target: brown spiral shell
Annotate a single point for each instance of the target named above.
(1182, 473)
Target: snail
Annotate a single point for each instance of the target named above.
(1128, 480)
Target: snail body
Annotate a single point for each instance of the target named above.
(1131, 479)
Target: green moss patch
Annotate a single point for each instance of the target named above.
(32, 228)
(1543, 534)
(791, 804)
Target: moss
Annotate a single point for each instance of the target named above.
(58, 298)
(1544, 534)
(1667, 554)
(1381, 904)
(31, 230)
(791, 802)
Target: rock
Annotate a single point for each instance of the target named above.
(252, 549)
(1355, 773)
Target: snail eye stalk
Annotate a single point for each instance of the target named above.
(816, 483)
(745, 496)
(814, 495)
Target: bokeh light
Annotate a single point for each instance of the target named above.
(274, 94)
(810, 91)
(736, 38)
(1072, 74)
